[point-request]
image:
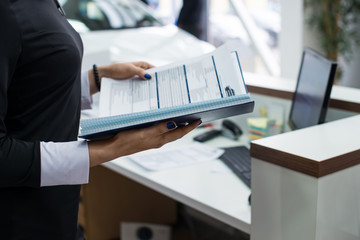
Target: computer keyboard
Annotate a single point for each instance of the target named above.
(239, 161)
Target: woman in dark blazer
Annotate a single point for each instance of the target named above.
(41, 86)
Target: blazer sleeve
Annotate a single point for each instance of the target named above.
(19, 160)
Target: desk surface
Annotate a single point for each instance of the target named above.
(220, 195)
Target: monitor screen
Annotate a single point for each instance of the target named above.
(312, 94)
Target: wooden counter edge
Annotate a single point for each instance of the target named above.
(334, 103)
(304, 165)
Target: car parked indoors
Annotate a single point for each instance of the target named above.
(127, 30)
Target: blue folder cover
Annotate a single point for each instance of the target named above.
(106, 127)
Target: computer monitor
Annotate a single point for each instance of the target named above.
(312, 94)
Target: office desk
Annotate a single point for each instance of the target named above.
(304, 185)
(220, 195)
(198, 187)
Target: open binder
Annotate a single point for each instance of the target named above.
(208, 87)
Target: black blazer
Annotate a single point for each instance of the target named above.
(40, 67)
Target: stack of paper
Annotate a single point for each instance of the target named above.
(262, 127)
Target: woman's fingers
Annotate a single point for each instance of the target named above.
(126, 70)
(142, 74)
(144, 65)
(132, 141)
(166, 132)
(140, 69)
(181, 131)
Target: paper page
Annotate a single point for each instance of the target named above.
(208, 77)
(127, 96)
(160, 159)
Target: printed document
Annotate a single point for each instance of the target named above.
(160, 159)
(211, 76)
(208, 87)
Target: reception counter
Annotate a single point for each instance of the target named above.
(306, 183)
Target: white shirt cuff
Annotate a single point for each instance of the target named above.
(65, 163)
(86, 99)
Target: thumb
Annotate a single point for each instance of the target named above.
(142, 74)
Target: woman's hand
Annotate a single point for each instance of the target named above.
(119, 71)
(132, 141)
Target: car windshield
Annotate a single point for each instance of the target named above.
(109, 14)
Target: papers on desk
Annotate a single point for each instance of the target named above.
(160, 159)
